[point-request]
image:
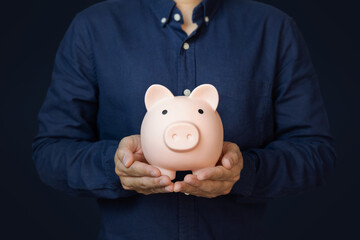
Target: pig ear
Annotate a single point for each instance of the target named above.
(156, 93)
(208, 93)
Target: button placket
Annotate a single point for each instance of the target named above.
(186, 56)
(187, 67)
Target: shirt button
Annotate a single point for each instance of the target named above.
(186, 46)
(207, 19)
(187, 92)
(177, 17)
(163, 20)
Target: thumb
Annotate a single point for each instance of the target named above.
(230, 155)
(127, 147)
(127, 157)
(227, 161)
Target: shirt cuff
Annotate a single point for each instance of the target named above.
(245, 185)
(109, 164)
(109, 167)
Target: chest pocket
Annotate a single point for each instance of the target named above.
(242, 109)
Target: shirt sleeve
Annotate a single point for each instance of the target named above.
(302, 153)
(66, 151)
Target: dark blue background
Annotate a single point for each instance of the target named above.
(30, 34)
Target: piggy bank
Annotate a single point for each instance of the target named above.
(181, 133)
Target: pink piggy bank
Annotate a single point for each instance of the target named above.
(181, 133)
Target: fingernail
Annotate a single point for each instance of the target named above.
(126, 159)
(168, 188)
(177, 188)
(201, 176)
(190, 180)
(163, 181)
(230, 162)
(154, 173)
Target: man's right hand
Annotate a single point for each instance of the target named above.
(134, 171)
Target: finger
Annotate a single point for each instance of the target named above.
(227, 161)
(214, 173)
(167, 189)
(232, 152)
(127, 158)
(129, 149)
(210, 186)
(228, 146)
(138, 169)
(139, 157)
(154, 190)
(193, 180)
(145, 182)
(148, 191)
(187, 188)
(133, 143)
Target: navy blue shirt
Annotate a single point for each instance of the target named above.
(270, 105)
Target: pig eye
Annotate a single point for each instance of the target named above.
(201, 111)
(164, 112)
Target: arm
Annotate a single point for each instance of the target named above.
(67, 153)
(302, 153)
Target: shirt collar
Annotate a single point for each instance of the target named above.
(163, 8)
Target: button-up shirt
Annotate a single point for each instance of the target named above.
(270, 105)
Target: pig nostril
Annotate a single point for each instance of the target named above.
(174, 136)
(189, 137)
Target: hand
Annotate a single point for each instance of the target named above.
(214, 181)
(134, 171)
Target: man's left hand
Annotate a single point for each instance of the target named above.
(214, 181)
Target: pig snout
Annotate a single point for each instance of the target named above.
(181, 136)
